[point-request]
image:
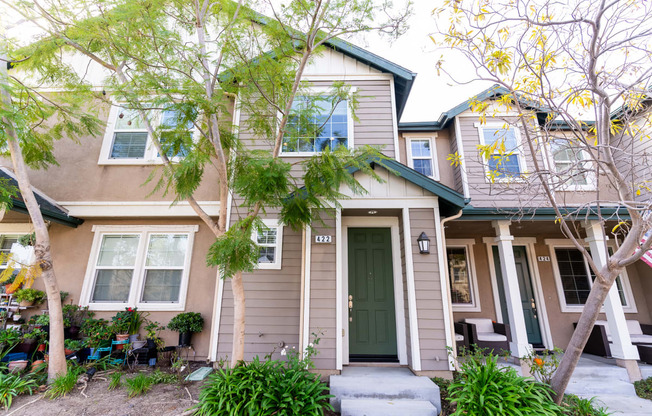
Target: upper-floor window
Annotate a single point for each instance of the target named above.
(127, 140)
(270, 243)
(141, 266)
(506, 161)
(316, 124)
(571, 164)
(422, 156)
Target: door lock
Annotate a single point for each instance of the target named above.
(350, 308)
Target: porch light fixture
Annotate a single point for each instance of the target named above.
(424, 243)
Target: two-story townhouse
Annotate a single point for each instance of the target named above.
(508, 259)
(383, 280)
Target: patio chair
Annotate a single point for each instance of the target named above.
(97, 353)
(599, 342)
(484, 333)
(462, 337)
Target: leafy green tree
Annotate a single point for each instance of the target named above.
(579, 60)
(194, 58)
(30, 124)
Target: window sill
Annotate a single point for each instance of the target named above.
(150, 307)
(134, 162)
(579, 309)
(465, 308)
(269, 266)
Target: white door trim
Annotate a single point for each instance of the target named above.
(530, 253)
(399, 306)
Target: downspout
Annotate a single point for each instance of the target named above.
(448, 288)
(303, 285)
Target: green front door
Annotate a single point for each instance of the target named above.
(527, 295)
(372, 322)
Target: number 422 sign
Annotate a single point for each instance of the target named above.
(323, 239)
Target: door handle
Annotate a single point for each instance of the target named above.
(350, 302)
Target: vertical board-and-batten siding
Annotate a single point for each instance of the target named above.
(457, 169)
(323, 296)
(430, 313)
(482, 192)
(405, 295)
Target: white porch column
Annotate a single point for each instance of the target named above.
(520, 347)
(621, 347)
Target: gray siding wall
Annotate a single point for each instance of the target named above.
(272, 305)
(322, 296)
(432, 335)
(635, 162)
(457, 170)
(485, 194)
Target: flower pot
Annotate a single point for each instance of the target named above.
(151, 343)
(26, 303)
(9, 289)
(184, 338)
(133, 338)
(17, 366)
(73, 331)
(121, 337)
(41, 348)
(36, 364)
(16, 317)
(67, 351)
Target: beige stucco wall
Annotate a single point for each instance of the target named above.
(71, 248)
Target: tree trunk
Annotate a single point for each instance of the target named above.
(589, 315)
(57, 364)
(237, 287)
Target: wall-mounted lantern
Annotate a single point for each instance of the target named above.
(424, 243)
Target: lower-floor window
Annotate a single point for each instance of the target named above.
(141, 266)
(464, 292)
(577, 277)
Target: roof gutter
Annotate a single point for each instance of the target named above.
(67, 220)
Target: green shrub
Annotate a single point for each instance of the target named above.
(644, 388)
(269, 387)
(160, 377)
(577, 406)
(64, 384)
(485, 388)
(138, 385)
(11, 385)
(187, 322)
(115, 380)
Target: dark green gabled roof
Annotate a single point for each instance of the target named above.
(450, 201)
(470, 213)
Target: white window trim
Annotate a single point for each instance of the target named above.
(317, 91)
(150, 157)
(467, 244)
(591, 182)
(139, 269)
(433, 153)
(278, 262)
(518, 152)
(624, 278)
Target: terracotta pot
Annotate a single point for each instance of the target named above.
(41, 348)
(36, 364)
(67, 351)
(17, 366)
(120, 337)
(9, 290)
(26, 303)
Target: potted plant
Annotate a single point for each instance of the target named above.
(74, 316)
(137, 319)
(121, 322)
(30, 340)
(98, 332)
(4, 315)
(9, 338)
(72, 345)
(29, 297)
(186, 324)
(43, 322)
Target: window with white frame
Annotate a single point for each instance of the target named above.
(127, 141)
(576, 278)
(422, 156)
(143, 266)
(270, 242)
(6, 243)
(317, 124)
(506, 161)
(461, 275)
(571, 163)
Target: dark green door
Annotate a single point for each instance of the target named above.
(372, 323)
(527, 294)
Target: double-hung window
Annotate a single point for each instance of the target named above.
(422, 156)
(270, 243)
(506, 161)
(575, 279)
(461, 274)
(127, 140)
(317, 124)
(141, 266)
(571, 164)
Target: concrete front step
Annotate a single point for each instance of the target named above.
(599, 386)
(379, 407)
(388, 384)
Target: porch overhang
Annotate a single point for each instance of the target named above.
(471, 213)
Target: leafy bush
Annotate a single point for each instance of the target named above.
(577, 406)
(160, 377)
(64, 384)
(75, 314)
(11, 385)
(644, 388)
(73, 344)
(485, 388)
(96, 331)
(265, 388)
(30, 295)
(543, 366)
(138, 385)
(187, 322)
